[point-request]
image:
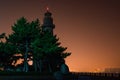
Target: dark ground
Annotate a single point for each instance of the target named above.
(47, 76)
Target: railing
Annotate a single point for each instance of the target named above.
(95, 76)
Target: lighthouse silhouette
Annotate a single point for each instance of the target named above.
(48, 22)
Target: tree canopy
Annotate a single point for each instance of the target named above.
(29, 40)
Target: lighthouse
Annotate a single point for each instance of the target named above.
(48, 22)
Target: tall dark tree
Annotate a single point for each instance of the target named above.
(37, 55)
(48, 50)
(31, 42)
(7, 51)
(23, 34)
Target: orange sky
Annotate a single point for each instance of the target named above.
(90, 28)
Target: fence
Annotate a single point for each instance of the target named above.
(95, 76)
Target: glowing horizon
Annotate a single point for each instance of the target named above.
(90, 29)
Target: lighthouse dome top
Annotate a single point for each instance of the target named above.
(48, 13)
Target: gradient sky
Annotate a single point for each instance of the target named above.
(89, 28)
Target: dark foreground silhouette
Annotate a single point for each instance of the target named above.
(71, 76)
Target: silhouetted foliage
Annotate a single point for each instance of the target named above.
(2, 35)
(47, 49)
(29, 40)
(23, 34)
(6, 53)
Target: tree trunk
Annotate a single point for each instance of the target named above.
(40, 65)
(35, 65)
(25, 69)
(50, 68)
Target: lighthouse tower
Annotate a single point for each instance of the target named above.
(48, 22)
